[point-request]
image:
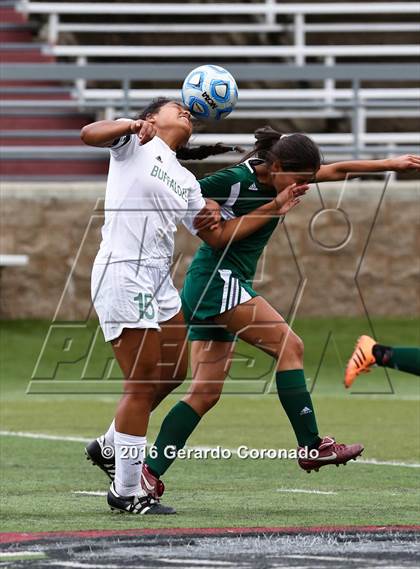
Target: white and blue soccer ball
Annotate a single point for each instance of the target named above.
(210, 92)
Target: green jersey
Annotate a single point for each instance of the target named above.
(238, 192)
(220, 279)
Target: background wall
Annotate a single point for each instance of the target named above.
(57, 226)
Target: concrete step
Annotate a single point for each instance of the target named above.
(17, 32)
(26, 25)
(50, 121)
(25, 138)
(25, 56)
(33, 90)
(9, 15)
(15, 35)
(24, 52)
(29, 84)
(41, 134)
(41, 96)
(54, 167)
(21, 46)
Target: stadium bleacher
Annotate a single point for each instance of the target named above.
(264, 16)
(345, 113)
(37, 125)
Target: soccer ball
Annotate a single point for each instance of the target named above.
(210, 92)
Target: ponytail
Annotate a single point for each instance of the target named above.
(201, 152)
(295, 152)
(265, 138)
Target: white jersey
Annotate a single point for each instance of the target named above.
(148, 194)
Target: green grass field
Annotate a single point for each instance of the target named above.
(39, 476)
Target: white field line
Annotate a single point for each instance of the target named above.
(62, 438)
(44, 436)
(21, 554)
(89, 493)
(387, 463)
(323, 557)
(302, 491)
(200, 562)
(289, 490)
(84, 565)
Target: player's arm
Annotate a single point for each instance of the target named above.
(106, 133)
(239, 228)
(215, 189)
(354, 168)
(208, 217)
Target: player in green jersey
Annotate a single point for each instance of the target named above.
(219, 300)
(220, 304)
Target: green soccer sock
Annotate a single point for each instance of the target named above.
(296, 401)
(403, 359)
(177, 426)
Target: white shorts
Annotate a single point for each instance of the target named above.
(132, 295)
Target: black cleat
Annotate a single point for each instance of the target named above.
(143, 505)
(102, 455)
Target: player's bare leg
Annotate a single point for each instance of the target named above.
(174, 356)
(259, 324)
(210, 363)
(174, 365)
(138, 353)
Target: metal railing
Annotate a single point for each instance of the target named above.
(358, 140)
(269, 16)
(266, 14)
(329, 53)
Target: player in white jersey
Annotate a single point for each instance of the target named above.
(148, 194)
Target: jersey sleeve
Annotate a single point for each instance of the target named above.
(218, 186)
(122, 147)
(196, 202)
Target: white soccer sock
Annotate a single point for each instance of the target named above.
(129, 457)
(110, 434)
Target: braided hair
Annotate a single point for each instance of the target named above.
(185, 152)
(295, 152)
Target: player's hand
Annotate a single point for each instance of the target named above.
(289, 197)
(209, 217)
(290, 204)
(406, 162)
(144, 130)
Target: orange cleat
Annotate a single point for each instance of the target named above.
(361, 360)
